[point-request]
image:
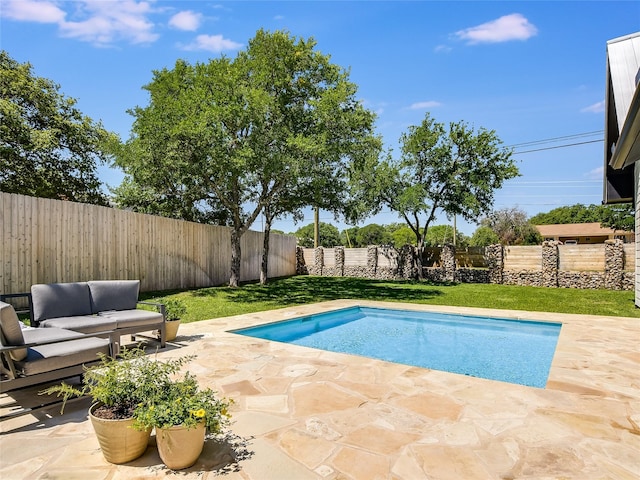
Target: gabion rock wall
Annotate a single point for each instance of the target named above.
(550, 262)
(404, 266)
(494, 255)
(613, 264)
(301, 267)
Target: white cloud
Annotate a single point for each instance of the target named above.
(595, 108)
(108, 22)
(442, 49)
(595, 174)
(212, 43)
(186, 20)
(423, 105)
(97, 22)
(279, 17)
(32, 11)
(504, 29)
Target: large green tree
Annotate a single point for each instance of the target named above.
(324, 128)
(48, 148)
(373, 234)
(329, 235)
(268, 131)
(483, 237)
(512, 227)
(455, 170)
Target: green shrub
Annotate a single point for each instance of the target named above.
(122, 384)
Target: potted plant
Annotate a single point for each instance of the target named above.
(182, 413)
(174, 310)
(118, 388)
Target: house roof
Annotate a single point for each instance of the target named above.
(623, 62)
(577, 230)
(622, 117)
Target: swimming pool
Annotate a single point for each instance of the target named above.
(494, 348)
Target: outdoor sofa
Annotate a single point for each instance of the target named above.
(95, 306)
(29, 356)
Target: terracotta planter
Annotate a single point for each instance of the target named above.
(119, 441)
(179, 447)
(172, 329)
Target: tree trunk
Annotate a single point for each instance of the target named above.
(418, 259)
(264, 266)
(236, 255)
(316, 227)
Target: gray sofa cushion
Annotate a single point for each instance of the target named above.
(60, 300)
(134, 318)
(40, 335)
(113, 294)
(84, 324)
(46, 358)
(12, 330)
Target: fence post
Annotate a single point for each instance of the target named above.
(301, 267)
(318, 263)
(550, 261)
(494, 256)
(406, 267)
(372, 260)
(448, 260)
(339, 268)
(613, 264)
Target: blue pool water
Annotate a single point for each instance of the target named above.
(498, 349)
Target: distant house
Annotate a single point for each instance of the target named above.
(583, 233)
(622, 129)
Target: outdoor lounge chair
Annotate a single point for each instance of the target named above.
(29, 356)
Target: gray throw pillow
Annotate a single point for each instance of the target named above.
(113, 294)
(12, 331)
(53, 300)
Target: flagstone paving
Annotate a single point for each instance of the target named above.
(301, 413)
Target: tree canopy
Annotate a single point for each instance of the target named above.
(512, 227)
(483, 237)
(618, 216)
(455, 170)
(48, 148)
(329, 235)
(269, 131)
(439, 235)
(372, 234)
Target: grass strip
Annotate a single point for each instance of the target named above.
(215, 302)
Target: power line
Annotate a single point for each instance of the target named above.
(572, 195)
(559, 146)
(548, 182)
(557, 139)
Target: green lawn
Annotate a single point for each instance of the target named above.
(217, 302)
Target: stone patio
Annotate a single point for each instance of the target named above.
(301, 413)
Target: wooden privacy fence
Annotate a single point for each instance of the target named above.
(571, 258)
(46, 241)
(523, 257)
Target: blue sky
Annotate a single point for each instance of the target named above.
(531, 71)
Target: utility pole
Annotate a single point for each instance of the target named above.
(316, 227)
(454, 230)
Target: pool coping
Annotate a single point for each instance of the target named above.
(320, 415)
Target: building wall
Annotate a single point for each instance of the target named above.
(637, 211)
